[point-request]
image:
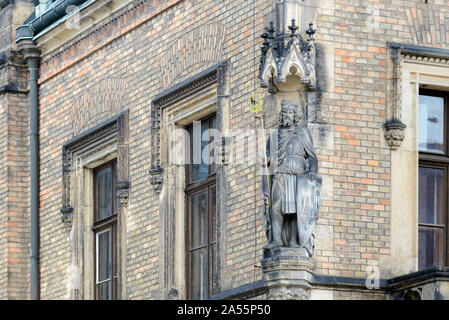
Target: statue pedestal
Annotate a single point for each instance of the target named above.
(287, 273)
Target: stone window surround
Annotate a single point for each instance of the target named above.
(413, 67)
(81, 155)
(203, 94)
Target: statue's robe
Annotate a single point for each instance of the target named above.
(290, 157)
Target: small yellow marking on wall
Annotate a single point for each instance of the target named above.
(255, 104)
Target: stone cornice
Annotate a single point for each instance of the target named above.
(106, 138)
(425, 58)
(11, 88)
(419, 53)
(187, 87)
(95, 133)
(419, 278)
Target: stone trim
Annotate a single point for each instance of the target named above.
(113, 132)
(204, 90)
(402, 284)
(165, 99)
(246, 291)
(259, 287)
(11, 88)
(419, 51)
(397, 54)
(419, 278)
(187, 88)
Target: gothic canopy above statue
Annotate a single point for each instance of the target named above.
(286, 54)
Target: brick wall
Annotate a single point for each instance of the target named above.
(3, 206)
(130, 47)
(14, 171)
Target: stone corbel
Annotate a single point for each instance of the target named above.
(122, 193)
(394, 133)
(394, 129)
(156, 178)
(67, 215)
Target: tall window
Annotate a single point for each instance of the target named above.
(433, 179)
(201, 211)
(105, 229)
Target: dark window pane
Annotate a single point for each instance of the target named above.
(214, 213)
(430, 246)
(114, 244)
(213, 155)
(431, 195)
(199, 220)
(200, 281)
(431, 124)
(104, 266)
(104, 193)
(200, 167)
(104, 291)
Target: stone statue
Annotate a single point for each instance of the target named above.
(291, 188)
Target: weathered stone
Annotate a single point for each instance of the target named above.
(287, 273)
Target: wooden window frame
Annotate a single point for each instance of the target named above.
(192, 189)
(104, 225)
(434, 160)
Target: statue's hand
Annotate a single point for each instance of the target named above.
(266, 200)
(312, 176)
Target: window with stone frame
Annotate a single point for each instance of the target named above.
(433, 179)
(191, 192)
(94, 205)
(105, 229)
(201, 237)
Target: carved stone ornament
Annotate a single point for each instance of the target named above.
(287, 274)
(156, 178)
(67, 215)
(394, 133)
(288, 293)
(122, 193)
(103, 137)
(287, 54)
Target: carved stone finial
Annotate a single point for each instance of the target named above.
(394, 133)
(310, 32)
(293, 28)
(284, 56)
(271, 30)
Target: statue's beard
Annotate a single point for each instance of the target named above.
(287, 123)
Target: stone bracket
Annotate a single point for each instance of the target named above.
(394, 133)
(156, 178)
(122, 193)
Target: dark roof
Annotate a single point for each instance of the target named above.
(55, 10)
